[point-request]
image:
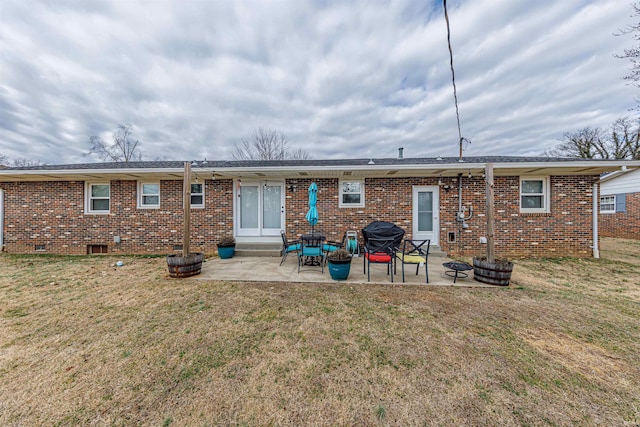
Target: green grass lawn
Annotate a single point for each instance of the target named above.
(83, 342)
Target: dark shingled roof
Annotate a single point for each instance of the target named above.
(297, 163)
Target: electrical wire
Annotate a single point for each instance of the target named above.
(453, 78)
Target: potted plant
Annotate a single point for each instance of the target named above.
(226, 247)
(339, 264)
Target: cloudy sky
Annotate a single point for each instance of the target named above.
(340, 79)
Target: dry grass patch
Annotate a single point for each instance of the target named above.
(585, 359)
(85, 342)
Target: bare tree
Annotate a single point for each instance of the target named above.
(633, 54)
(17, 163)
(621, 141)
(22, 162)
(585, 143)
(625, 138)
(299, 154)
(122, 149)
(267, 144)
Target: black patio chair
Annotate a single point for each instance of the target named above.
(379, 251)
(333, 245)
(381, 241)
(288, 246)
(311, 252)
(414, 252)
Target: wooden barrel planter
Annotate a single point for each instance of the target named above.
(495, 273)
(181, 266)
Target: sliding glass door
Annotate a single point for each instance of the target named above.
(260, 208)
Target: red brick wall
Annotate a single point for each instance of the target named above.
(386, 199)
(566, 230)
(52, 214)
(623, 224)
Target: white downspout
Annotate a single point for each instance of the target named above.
(1, 220)
(596, 251)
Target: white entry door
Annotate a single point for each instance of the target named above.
(259, 208)
(426, 217)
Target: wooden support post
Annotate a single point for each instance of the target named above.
(490, 213)
(186, 203)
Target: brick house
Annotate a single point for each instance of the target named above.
(620, 204)
(543, 206)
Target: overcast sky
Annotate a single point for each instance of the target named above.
(340, 79)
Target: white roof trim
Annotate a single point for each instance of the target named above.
(590, 167)
(463, 166)
(92, 171)
(616, 174)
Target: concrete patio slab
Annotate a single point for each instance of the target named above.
(268, 269)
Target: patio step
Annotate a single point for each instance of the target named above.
(436, 252)
(258, 249)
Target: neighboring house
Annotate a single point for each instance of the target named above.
(620, 204)
(543, 206)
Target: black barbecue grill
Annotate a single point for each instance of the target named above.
(383, 230)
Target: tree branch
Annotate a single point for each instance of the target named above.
(123, 148)
(267, 144)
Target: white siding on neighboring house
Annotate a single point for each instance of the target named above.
(621, 184)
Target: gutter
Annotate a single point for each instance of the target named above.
(607, 164)
(616, 174)
(89, 171)
(442, 169)
(457, 166)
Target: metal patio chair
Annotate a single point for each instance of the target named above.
(311, 252)
(414, 252)
(288, 246)
(379, 251)
(333, 245)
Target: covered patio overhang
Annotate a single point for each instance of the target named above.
(430, 170)
(346, 171)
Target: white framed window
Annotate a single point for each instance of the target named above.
(608, 203)
(98, 197)
(352, 193)
(197, 195)
(148, 195)
(534, 194)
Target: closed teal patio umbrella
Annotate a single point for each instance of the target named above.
(312, 215)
